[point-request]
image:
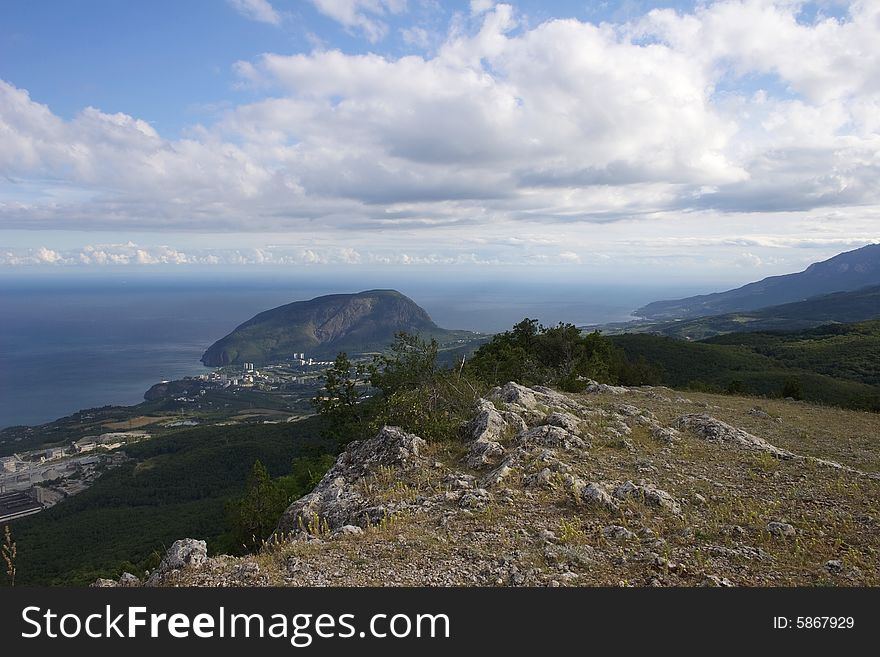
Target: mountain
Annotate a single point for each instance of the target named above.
(847, 271)
(324, 326)
(838, 307)
(634, 485)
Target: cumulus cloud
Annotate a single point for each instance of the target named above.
(739, 108)
(261, 11)
(130, 253)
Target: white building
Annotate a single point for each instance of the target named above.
(86, 445)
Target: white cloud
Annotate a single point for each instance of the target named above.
(481, 6)
(416, 36)
(823, 61)
(748, 260)
(48, 256)
(261, 11)
(362, 15)
(506, 132)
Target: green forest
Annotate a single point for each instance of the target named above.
(188, 484)
(836, 364)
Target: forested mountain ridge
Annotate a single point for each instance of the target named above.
(846, 271)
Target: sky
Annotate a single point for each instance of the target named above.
(627, 141)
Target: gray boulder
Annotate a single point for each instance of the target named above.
(782, 529)
(597, 495)
(711, 429)
(336, 500)
(551, 436)
(185, 553)
(649, 494)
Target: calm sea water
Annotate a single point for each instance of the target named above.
(81, 342)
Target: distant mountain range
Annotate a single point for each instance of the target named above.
(838, 307)
(848, 271)
(324, 326)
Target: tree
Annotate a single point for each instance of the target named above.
(256, 513)
(340, 400)
(412, 362)
(793, 388)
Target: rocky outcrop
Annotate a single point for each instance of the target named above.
(648, 494)
(185, 553)
(709, 428)
(526, 401)
(542, 488)
(337, 500)
(598, 495)
(487, 431)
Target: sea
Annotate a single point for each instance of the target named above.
(70, 342)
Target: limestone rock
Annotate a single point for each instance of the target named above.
(540, 479)
(551, 436)
(532, 399)
(716, 581)
(336, 499)
(617, 533)
(781, 529)
(649, 494)
(598, 495)
(715, 430)
(564, 420)
(349, 530)
(834, 566)
(603, 388)
(185, 553)
(128, 580)
(665, 434)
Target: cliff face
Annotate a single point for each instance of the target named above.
(616, 486)
(322, 327)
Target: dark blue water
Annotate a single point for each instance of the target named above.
(68, 343)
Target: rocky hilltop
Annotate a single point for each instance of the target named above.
(323, 327)
(616, 486)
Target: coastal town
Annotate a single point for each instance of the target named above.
(299, 370)
(89, 442)
(38, 479)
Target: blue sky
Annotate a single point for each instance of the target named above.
(728, 140)
(171, 63)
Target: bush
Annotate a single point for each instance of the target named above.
(793, 388)
(412, 363)
(435, 410)
(411, 391)
(532, 354)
